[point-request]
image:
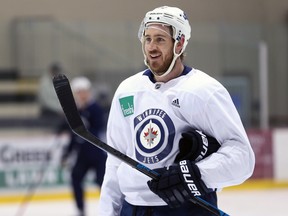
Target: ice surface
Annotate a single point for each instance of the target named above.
(236, 203)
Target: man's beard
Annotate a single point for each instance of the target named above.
(160, 69)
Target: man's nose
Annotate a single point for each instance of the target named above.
(151, 46)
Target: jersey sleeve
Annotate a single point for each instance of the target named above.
(111, 198)
(234, 162)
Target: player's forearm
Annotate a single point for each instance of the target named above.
(231, 165)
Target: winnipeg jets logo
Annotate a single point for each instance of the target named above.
(150, 135)
(154, 135)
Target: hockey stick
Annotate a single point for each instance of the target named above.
(66, 99)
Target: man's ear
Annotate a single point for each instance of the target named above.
(180, 44)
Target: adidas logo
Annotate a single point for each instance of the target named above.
(176, 103)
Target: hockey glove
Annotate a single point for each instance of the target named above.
(178, 183)
(195, 145)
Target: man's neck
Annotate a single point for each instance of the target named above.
(176, 72)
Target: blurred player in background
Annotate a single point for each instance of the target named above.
(177, 120)
(88, 157)
(49, 103)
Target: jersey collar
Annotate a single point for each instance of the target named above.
(150, 75)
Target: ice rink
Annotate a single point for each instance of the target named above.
(259, 202)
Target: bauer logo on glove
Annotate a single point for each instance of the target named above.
(188, 178)
(178, 183)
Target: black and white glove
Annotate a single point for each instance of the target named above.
(178, 183)
(195, 145)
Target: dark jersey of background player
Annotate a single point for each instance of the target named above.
(88, 157)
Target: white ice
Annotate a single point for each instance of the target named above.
(269, 202)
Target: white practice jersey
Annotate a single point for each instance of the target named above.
(145, 123)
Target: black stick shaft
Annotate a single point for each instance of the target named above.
(82, 132)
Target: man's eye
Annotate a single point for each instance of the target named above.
(160, 39)
(147, 39)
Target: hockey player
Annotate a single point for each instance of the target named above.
(87, 156)
(166, 118)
